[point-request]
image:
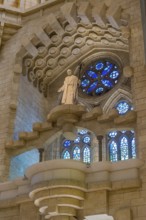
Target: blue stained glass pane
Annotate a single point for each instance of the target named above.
(100, 77)
(107, 69)
(112, 134)
(114, 75)
(77, 140)
(86, 155)
(107, 83)
(133, 148)
(123, 107)
(76, 153)
(85, 82)
(92, 87)
(125, 143)
(67, 143)
(99, 90)
(86, 139)
(99, 66)
(113, 151)
(83, 132)
(66, 155)
(92, 74)
(124, 148)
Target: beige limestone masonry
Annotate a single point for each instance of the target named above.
(64, 34)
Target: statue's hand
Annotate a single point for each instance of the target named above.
(60, 90)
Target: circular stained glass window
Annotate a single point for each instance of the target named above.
(123, 107)
(99, 77)
(86, 139)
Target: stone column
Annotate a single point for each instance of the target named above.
(100, 138)
(41, 152)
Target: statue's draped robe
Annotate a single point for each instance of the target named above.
(69, 89)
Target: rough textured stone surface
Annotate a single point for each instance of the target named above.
(39, 44)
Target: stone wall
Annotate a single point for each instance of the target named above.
(32, 107)
(126, 200)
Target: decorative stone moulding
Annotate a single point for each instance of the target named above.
(98, 27)
(62, 188)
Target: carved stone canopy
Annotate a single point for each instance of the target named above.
(66, 39)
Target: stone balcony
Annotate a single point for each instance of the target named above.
(65, 187)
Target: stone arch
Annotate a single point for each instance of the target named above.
(115, 97)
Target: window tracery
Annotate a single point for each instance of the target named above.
(78, 149)
(123, 106)
(99, 77)
(121, 145)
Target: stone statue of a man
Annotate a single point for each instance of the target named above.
(69, 88)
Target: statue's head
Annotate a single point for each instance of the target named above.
(69, 72)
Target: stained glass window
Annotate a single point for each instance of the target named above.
(113, 151)
(124, 148)
(67, 143)
(133, 147)
(77, 140)
(83, 131)
(78, 149)
(112, 134)
(86, 139)
(123, 106)
(121, 145)
(76, 153)
(86, 155)
(99, 77)
(66, 154)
